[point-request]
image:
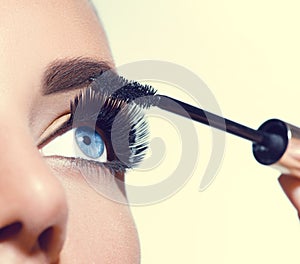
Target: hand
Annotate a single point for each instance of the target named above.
(291, 187)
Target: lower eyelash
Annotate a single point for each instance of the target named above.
(103, 177)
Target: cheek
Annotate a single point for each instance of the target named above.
(99, 230)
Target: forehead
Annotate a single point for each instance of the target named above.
(35, 33)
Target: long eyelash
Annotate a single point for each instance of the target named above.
(120, 120)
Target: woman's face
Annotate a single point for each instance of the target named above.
(48, 212)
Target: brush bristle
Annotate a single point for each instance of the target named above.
(120, 88)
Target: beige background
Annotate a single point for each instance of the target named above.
(247, 52)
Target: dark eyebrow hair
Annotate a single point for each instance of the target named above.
(69, 74)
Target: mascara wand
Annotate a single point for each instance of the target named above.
(275, 142)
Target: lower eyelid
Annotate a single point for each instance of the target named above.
(79, 166)
(97, 175)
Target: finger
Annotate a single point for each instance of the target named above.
(291, 187)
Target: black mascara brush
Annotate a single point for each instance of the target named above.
(273, 143)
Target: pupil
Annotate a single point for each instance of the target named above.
(87, 140)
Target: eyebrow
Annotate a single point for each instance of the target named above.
(70, 74)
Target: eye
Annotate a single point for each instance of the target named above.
(81, 142)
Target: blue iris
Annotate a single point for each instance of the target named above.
(89, 142)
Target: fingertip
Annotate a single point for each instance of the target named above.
(291, 187)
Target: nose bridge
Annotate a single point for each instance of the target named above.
(30, 196)
(21, 167)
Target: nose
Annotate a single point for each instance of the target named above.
(33, 206)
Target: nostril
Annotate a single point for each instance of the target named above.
(45, 239)
(10, 231)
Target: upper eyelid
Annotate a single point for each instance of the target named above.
(47, 135)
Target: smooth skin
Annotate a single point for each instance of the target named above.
(48, 212)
